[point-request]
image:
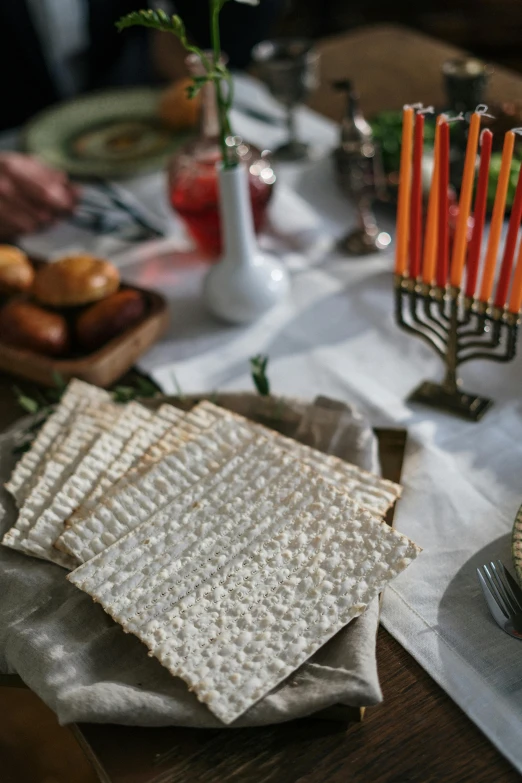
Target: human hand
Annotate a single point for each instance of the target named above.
(31, 194)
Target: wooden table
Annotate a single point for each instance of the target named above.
(418, 735)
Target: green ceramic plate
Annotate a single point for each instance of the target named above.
(516, 545)
(109, 134)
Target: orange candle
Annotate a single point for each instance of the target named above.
(458, 258)
(515, 300)
(403, 206)
(432, 219)
(497, 218)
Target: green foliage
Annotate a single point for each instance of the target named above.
(139, 387)
(43, 402)
(258, 365)
(387, 131)
(157, 20)
(25, 402)
(142, 387)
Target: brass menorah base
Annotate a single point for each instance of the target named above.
(459, 329)
(461, 403)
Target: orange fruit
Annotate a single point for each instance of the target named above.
(176, 109)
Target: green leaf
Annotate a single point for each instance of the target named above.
(22, 448)
(55, 395)
(28, 404)
(35, 426)
(194, 89)
(59, 380)
(258, 365)
(179, 390)
(146, 387)
(157, 20)
(123, 393)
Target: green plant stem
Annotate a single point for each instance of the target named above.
(216, 44)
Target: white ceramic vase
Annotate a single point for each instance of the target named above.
(245, 283)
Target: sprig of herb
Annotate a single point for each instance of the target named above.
(26, 403)
(47, 397)
(215, 71)
(258, 365)
(41, 405)
(43, 402)
(159, 20)
(142, 386)
(177, 385)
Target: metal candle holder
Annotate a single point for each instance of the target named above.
(459, 329)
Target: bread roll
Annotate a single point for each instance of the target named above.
(75, 280)
(109, 318)
(16, 272)
(27, 326)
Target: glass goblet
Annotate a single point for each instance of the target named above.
(290, 69)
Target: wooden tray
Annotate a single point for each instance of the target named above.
(102, 367)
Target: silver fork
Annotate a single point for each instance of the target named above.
(503, 597)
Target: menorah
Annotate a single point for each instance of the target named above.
(430, 301)
(459, 329)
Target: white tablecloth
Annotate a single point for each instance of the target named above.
(336, 336)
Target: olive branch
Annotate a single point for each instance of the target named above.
(140, 386)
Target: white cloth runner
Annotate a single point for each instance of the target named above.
(336, 336)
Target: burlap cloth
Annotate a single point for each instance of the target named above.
(83, 666)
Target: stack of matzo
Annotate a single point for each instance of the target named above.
(232, 552)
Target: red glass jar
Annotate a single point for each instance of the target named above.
(193, 186)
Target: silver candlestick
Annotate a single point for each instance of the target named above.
(360, 177)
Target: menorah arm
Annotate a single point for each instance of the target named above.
(426, 337)
(490, 356)
(405, 297)
(441, 305)
(483, 345)
(478, 330)
(428, 312)
(441, 333)
(494, 342)
(472, 332)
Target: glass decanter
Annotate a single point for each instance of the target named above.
(193, 187)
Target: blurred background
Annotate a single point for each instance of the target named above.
(491, 29)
